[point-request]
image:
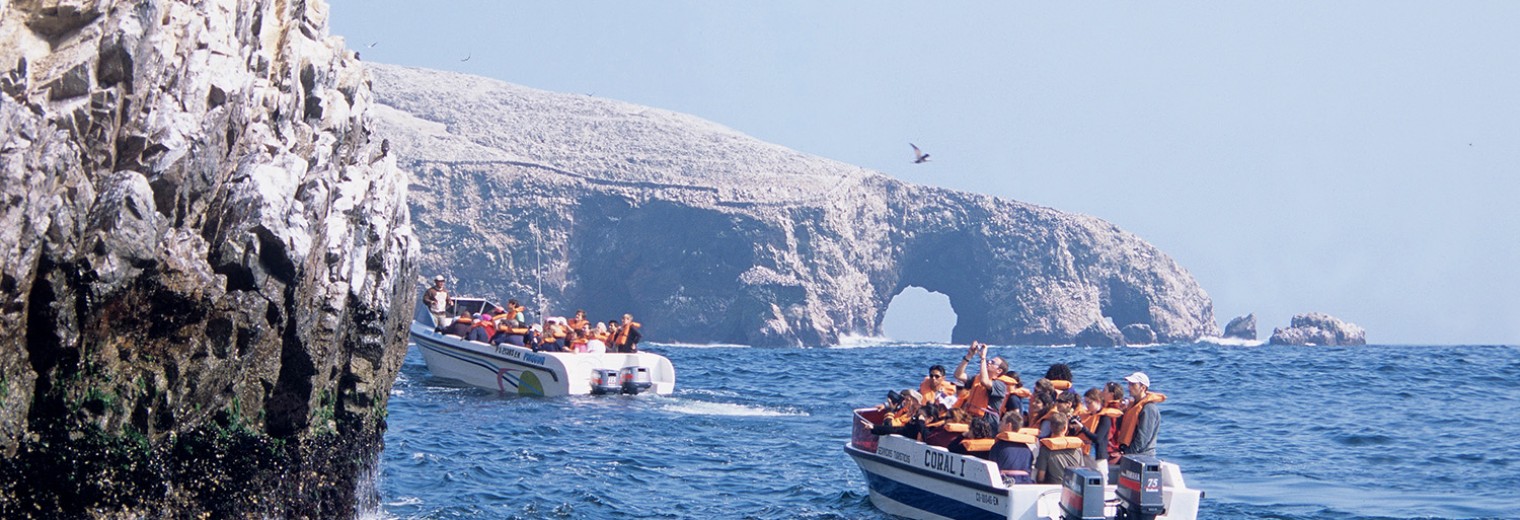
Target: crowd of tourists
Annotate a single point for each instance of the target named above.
(1033, 434)
(509, 325)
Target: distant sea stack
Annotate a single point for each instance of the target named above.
(1319, 329)
(202, 251)
(708, 235)
(1242, 327)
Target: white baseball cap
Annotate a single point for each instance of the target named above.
(1139, 377)
(438, 278)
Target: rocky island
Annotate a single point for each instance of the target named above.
(713, 236)
(1318, 329)
(203, 248)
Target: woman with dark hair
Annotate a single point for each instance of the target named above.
(1095, 425)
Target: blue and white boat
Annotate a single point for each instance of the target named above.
(517, 370)
(912, 479)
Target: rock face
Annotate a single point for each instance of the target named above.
(1101, 333)
(199, 257)
(1242, 327)
(708, 235)
(1319, 329)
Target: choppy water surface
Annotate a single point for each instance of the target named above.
(1267, 432)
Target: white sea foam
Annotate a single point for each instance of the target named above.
(684, 406)
(1233, 342)
(404, 501)
(700, 345)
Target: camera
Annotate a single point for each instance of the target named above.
(895, 398)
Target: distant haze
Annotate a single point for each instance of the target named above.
(1352, 158)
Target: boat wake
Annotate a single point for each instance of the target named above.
(692, 407)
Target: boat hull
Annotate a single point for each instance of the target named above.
(516, 370)
(912, 479)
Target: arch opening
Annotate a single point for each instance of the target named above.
(918, 315)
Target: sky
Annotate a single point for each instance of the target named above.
(1353, 158)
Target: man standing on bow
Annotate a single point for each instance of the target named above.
(438, 301)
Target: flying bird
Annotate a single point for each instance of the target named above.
(373, 44)
(466, 58)
(918, 155)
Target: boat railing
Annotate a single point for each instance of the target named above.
(860, 435)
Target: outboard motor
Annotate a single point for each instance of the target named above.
(1140, 488)
(635, 379)
(1082, 495)
(605, 381)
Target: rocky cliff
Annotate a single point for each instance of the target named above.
(200, 250)
(708, 235)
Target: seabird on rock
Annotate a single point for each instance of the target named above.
(918, 155)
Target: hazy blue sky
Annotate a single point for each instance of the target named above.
(1353, 158)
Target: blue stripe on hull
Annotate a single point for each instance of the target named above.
(923, 500)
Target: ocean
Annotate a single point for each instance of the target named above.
(756, 433)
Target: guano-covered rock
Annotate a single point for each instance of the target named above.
(199, 257)
(708, 235)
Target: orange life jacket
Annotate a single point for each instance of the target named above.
(1061, 443)
(1090, 421)
(622, 333)
(975, 445)
(1020, 436)
(577, 323)
(926, 388)
(1020, 392)
(976, 402)
(1132, 416)
(957, 427)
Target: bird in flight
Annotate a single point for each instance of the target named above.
(466, 58)
(373, 44)
(918, 155)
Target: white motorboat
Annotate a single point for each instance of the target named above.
(912, 479)
(518, 370)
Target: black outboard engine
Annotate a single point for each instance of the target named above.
(1140, 488)
(605, 381)
(1082, 495)
(635, 379)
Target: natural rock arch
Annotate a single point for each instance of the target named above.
(707, 235)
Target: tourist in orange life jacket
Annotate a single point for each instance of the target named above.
(1059, 375)
(988, 388)
(1011, 451)
(1058, 453)
(935, 388)
(579, 322)
(481, 330)
(1016, 393)
(627, 339)
(1066, 404)
(1095, 426)
(1142, 420)
(902, 415)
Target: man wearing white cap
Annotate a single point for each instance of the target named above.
(437, 300)
(1141, 422)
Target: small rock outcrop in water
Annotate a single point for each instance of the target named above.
(1242, 327)
(1101, 333)
(198, 260)
(708, 235)
(1319, 329)
(1138, 334)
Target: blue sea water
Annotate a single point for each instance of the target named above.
(1267, 432)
